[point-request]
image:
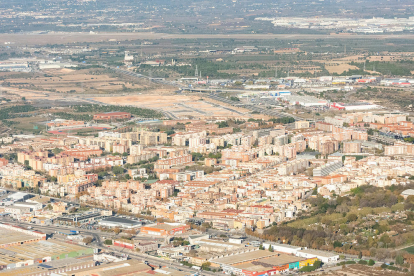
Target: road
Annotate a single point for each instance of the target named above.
(98, 244)
(254, 108)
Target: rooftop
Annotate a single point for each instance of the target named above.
(318, 252)
(9, 236)
(268, 263)
(165, 227)
(121, 220)
(245, 257)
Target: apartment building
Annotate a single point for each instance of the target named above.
(167, 163)
(352, 147)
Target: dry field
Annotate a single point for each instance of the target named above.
(340, 68)
(76, 85)
(75, 81)
(359, 270)
(178, 105)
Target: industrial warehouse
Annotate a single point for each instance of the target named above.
(26, 247)
(260, 262)
(123, 223)
(165, 229)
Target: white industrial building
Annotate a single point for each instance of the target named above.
(112, 222)
(324, 256)
(285, 248)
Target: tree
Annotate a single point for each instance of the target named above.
(399, 260)
(360, 255)
(270, 248)
(206, 266)
(87, 240)
(56, 151)
(117, 170)
(337, 244)
(261, 247)
(351, 217)
(385, 239)
(317, 264)
(371, 262)
(117, 230)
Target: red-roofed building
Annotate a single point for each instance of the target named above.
(107, 116)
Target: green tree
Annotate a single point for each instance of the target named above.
(371, 262)
(206, 266)
(351, 217)
(399, 260)
(56, 151)
(261, 247)
(270, 248)
(117, 170)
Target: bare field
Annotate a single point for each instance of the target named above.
(340, 68)
(179, 105)
(358, 270)
(65, 37)
(68, 83)
(75, 81)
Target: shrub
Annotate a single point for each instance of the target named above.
(371, 262)
(363, 262)
(350, 262)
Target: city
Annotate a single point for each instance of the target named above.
(206, 137)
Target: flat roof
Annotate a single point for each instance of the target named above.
(245, 257)
(114, 269)
(165, 226)
(318, 252)
(286, 245)
(41, 249)
(269, 263)
(10, 236)
(113, 113)
(121, 221)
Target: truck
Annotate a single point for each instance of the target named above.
(196, 267)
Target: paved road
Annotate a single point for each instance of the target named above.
(98, 243)
(253, 107)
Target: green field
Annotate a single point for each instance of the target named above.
(409, 249)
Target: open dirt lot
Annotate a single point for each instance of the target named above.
(179, 105)
(358, 270)
(75, 81)
(340, 68)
